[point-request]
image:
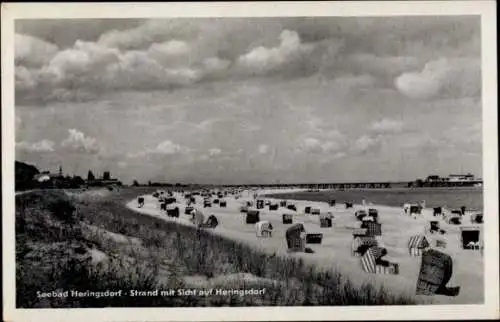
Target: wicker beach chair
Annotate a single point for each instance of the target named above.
(436, 270)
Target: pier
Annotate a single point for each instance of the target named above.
(366, 185)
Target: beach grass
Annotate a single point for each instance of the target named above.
(59, 233)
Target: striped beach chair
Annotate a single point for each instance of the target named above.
(368, 260)
(386, 267)
(417, 244)
(372, 262)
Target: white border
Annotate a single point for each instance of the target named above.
(486, 9)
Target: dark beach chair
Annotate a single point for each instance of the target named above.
(273, 207)
(470, 238)
(252, 217)
(287, 219)
(373, 212)
(212, 222)
(360, 214)
(476, 218)
(173, 212)
(434, 226)
(140, 202)
(293, 238)
(325, 222)
(314, 238)
(415, 210)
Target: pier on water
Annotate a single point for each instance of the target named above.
(365, 185)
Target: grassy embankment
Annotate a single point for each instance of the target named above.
(91, 241)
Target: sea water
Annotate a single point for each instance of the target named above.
(453, 198)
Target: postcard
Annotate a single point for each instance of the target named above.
(259, 161)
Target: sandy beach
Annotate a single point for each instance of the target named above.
(335, 250)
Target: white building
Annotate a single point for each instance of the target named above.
(460, 177)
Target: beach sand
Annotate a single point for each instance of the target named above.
(335, 250)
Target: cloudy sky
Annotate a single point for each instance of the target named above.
(250, 100)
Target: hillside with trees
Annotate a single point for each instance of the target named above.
(24, 176)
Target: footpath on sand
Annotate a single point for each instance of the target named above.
(335, 250)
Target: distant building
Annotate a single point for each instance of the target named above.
(460, 177)
(105, 181)
(433, 178)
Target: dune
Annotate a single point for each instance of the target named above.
(335, 250)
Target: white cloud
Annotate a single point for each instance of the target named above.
(457, 77)
(387, 126)
(31, 51)
(26, 78)
(172, 47)
(41, 146)
(78, 142)
(214, 151)
(390, 66)
(330, 146)
(366, 142)
(314, 145)
(263, 148)
(261, 60)
(168, 147)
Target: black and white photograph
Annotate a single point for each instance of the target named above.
(244, 161)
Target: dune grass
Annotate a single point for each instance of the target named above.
(52, 246)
